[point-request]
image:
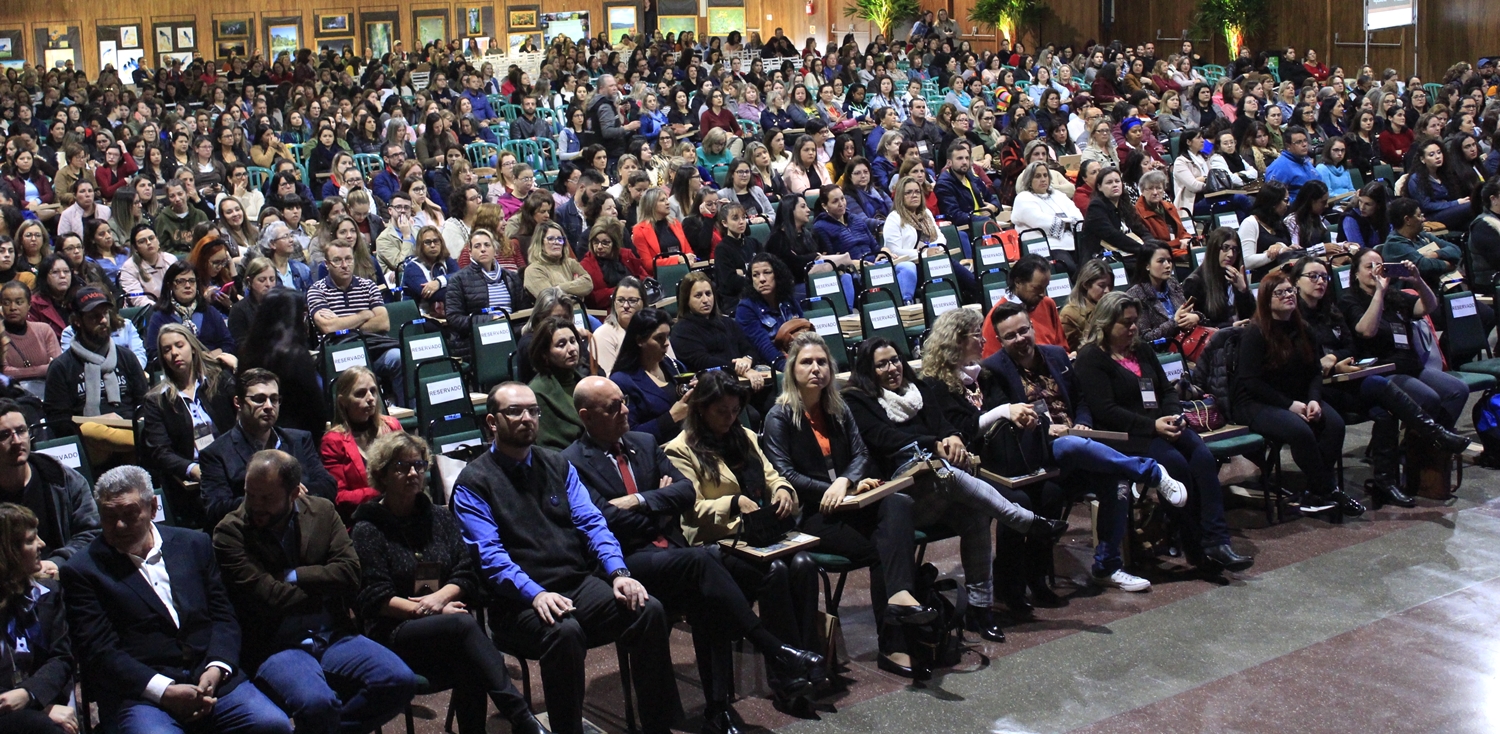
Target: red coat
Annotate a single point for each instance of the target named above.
(110, 180)
(603, 291)
(643, 236)
(1160, 228)
(1395, 146)
(43, 187)
(43, 312)
(342, 459)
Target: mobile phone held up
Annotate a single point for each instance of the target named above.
(1396, 270)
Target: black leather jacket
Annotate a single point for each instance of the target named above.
(794, 452)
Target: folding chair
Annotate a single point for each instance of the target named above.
(831, 287)
(1034, 242)
(938, 297)
(369, 164)
(424, 348)
(1059, 289)
(824, 317)
(878, 316)
(933, 267)
(258, 176)
(482, 154)
(493, 344)
(1465, 333)
(993, 284)
(334, 358)
(881, 274)
(68, 450)
(670, 271)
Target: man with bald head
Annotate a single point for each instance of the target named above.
(641, 495)
(555, 571)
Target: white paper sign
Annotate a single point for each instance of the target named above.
(1463, 307)
(446, 391)
(1173, 368)
(1344, 278)
(578, 322)
(1059, 287)
(449, 448)
(991, 256)
(826, 325)
(825, 286)
(882, 275)
(1038, 246)
(66, 453)
(944, 304)
(161, 508)
(343, 360)
(998, 294)
(427, 348)
(494, 333)
(1230, 220)
(939, 266)
(884, 318)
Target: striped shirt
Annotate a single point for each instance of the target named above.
(362, 295)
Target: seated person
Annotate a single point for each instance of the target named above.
(1166, 312)
(1029, 278)
(480, 285)
(149, 660)
(641, 495)
(1115, 369)
(32, 346)
(358, 420)
(57, 495)
(1433, 258)
(290, 571)
(555, 355)
(766, 307)
(624, 303)
(809, 437)
(1219, 287)
(704, 339)
(93, 377)
(424, 275)
(551, 264)
(415, 573)
(645, 374)
(183, 415)
(185, 304)
(257, 401)
(43, 677)
(542, 545)
(344, 301)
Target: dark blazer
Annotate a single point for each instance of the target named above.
(467, 294)
(50, 678)
(278, 614)
(712, 342)
(634, 529)
(650, 404)
(1000, 380)
(223, 464)
(885, 438)
(1113, 393)
(124, 635)
(952, 197)
(168, 427)
(794, 452)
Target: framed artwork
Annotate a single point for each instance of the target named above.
(283, 37)
(17, 64)
(677, 24)
(58, 58)
(7, 48)
(574, 25)
(525, 43)
(474, 22)
(184, 58)
(620, 21)
(431, 26)
(232, 48)
(185, 38)
(477, 21)
(164, 38)
(723, 20)
(57, 45)
(522, 17)
(15, 51)
(128, 60)
(338, 24)
(379, 36)
(232, 28)
(337, 45)
(130, 36)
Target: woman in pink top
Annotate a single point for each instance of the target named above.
(357, 422)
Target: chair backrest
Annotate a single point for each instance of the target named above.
(69, 451)
(751, 127)
(339, 357)
(938, 297)
(1116, 268)
(482, 154)
(1227, 219)
(493, 342)
(442, 395)
(1171, 364)
(258, 176)
(993, 283)
(761, 232)
(670, 275)
(880, 274)
(829, 285)
(1341, 279)
(1465, 331)
(991, 257)
(1059, 288)
(720, 171)
(822, 313)
(422, 343)
(950, 236)
(879, 317)
(1195, 257)
(930, 267)
(369, 164)
(528, 152)
(1384, 172)
(1034, 242)
(401, 313)
(510, 112)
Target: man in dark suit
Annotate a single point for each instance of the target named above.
(641, 495)
(153, 630)
(258, 400)
(291, 571)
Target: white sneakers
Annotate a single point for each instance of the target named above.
(1168, 489)
(1123, 581)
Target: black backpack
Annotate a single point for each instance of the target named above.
(942, 644)
(1214, 373)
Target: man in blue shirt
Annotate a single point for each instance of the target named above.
(556, 572)
(387, 182)
(479, 102)
(1294, 167)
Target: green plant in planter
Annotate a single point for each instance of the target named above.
(1231, 19)
(885, 14)
(1007, 15)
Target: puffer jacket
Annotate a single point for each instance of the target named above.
(468, 293)
(1214, 371)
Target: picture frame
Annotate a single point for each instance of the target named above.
(574, 24)
(380, 37)
(58, 58)
(130, 36)
(677, 24)
(7, 47)
(722, 20)
(516, 40)
(523, 17)
(232, 28)
(335, 24)
(186, 38)
(620, 21)
(431, 25)
(234, 47)
(283, 37)
(183, 57)
(128, 60)
(336, 44)
(474, 22)
(164, 38)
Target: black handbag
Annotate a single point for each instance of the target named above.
(1009, 451)
(760, 528)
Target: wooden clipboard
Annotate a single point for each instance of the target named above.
(1021, 481)
(792, 542)
(1098, 435)
(1228, 431)
(856, 501)
(108, 419)
(1379, 369)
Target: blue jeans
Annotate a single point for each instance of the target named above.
(244, 711)
(1100, 468)
(1442, 395)
(388, 367)
(1189, 461)
(906, 277)
(357, 686)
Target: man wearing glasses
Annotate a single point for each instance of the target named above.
(398, 241)
(344, 301)
(224, 462)
(556, 572)
(67, 519)
(387, 182)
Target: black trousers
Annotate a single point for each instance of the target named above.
(28, 721)
(880, 535)
(597, 619)
(787, 591)
(451, 650)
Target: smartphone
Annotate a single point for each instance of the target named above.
(1366, 362)
(1396, 270)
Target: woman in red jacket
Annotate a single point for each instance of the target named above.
(30, 186)
(608, 263)
(1396, 139)
(656, 233)
(357, 422)
(117, 169)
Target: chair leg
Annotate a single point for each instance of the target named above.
(411, 726)
(838, 592)
(921, 552)
(828, 604)
(625, 688)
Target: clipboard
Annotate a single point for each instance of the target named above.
(792, 542)
(1379, 369)
(1098, 435)
(1040, 475)
(856, 501)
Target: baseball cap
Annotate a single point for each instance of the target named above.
(88, 299)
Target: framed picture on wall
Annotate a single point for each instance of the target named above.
(523, 17)
(337, 45)
(7, 48)
(231, 49)
(338, 24)
(283, 38)
(130, 36)
(677, 24)
(521, 43)
(379, 36)
(185, 38)
(232, 28)
(163, 38)
(431, 26)
(620, 21)
(723, 20)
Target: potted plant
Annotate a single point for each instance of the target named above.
(885, 14)
(1232, 19)
(1005, 16)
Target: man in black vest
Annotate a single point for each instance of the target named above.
(641, 495)
(559, 578)
(603, 120)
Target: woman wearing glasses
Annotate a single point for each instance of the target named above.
(645, 372)
(357, 422)
(552, 263)
(607, 263)
(1278, 393)
(280, 247)
(185, 304)
(415, 573)
(183, 415)
(1219, 288)
(424, 275)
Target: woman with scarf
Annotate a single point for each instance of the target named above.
(607, 263)
(184, 413)
(31, 606)
(185, 304)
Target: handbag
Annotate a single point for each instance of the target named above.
(760, 528)
(1218, 180)
(1203, 415)
(1191, 344)
(1012, 452)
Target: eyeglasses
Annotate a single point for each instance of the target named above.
(402, 467)
(1316, 277)
(515, 412)
(556, 240)
(185, 281)
(1284, 292)
(261, 398)
(22, 432)
(427, 242)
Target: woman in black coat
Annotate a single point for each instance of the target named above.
(32, 607)
(183, 415)
(703, 339)
(1110, 218)
(416, 580)
(468, 292)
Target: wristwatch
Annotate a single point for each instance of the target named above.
(620, 573)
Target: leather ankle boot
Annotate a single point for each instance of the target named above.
(1417, 420)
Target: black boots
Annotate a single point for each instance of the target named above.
(1395, 400)
(794, 670)
(1385, 460)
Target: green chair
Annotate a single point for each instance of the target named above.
(530, 153)
(822, 313)
(881, 274)
(933, 267)
(510, 112)
(720, 171)
(1432, 89)
(669, 273)
(334, 358)
(993, 256)
(1340, 281)
(993, 284)
(482, 154)
(1117, 269)
(493, 344)
(68, 450)
(1384, 172)
(951, 240)
(1465, 334)
(400, 313)
(830, 286)
(879, 316)
(424, 349)
(751, 128)
(440, 397)
(1034, 242)
(369, 164)
(761, 232)
(937, 297)
(258, 176)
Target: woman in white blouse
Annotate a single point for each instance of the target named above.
(1039, 206)
(910, 229)
(1190, 170)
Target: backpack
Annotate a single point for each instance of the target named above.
(1214, 371)
(1486, 417)
(940, 645)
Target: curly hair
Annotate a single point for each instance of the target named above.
(943, 351)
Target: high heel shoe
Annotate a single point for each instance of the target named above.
(916, 615)
(914, 673)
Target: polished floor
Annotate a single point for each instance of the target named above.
(1384, 623)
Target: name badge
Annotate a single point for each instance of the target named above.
(1402, 340)
(1148, 394)
(203, 442)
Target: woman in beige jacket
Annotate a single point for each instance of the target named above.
(550, 263)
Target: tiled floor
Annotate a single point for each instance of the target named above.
(1380, 624)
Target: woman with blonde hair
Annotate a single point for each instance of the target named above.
(358, 420)
(656, 233)
(552, 264)
(520, 229)
(1095, 278)
(32, 606)
(184, 413)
